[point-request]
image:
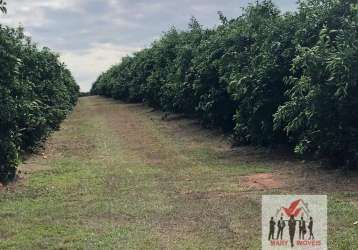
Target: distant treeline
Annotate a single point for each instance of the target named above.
(36, 94)
(84, 94)
(269, 77)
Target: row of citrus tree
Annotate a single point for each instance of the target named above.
(36, 94)
(269, 77)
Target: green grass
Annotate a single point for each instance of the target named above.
(101, 188)
(342, 213)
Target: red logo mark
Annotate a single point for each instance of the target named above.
(292, 209)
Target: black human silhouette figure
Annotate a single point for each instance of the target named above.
(272, 229)
(292, 228)
(310, 227)
(302, 228)
(280, 225)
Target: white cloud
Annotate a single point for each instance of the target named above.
(57, 4)
(21, 16)
(35, 13)
(87, 65)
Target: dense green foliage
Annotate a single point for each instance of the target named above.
(270, 77)
(36, 94)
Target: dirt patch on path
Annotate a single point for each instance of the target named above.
(262, 181)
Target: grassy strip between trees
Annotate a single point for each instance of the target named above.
(36, 94)
(269, 77)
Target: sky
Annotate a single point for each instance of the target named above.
(92, 35)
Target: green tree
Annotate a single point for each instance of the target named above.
(319, 116)
(269, 78)
(36, 94)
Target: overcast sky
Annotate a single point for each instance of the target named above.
(91, 35)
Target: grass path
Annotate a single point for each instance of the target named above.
(118, 177)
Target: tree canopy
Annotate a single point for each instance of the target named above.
(269, 77)
(36, 93)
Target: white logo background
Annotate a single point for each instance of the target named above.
(314, 206)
